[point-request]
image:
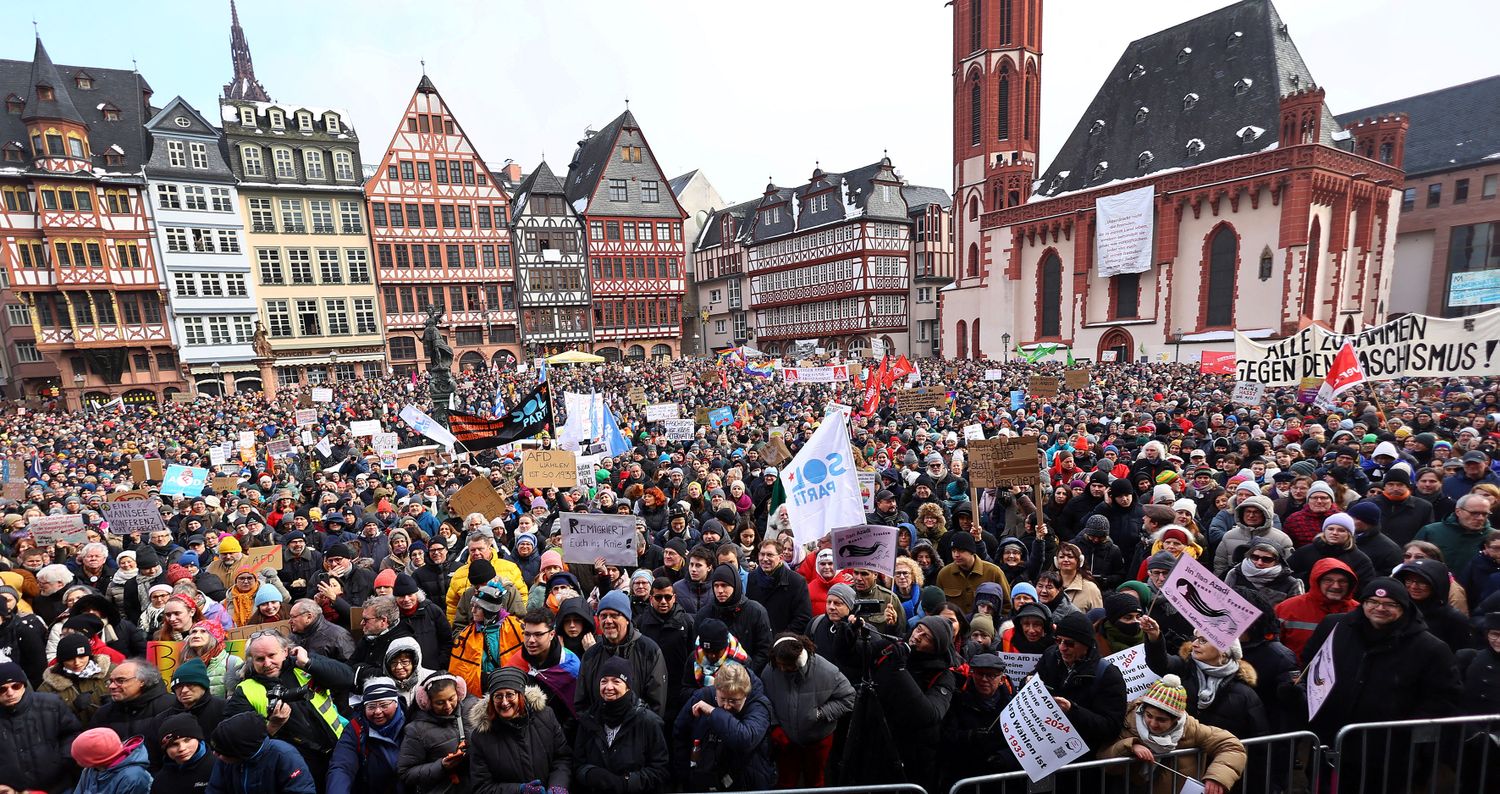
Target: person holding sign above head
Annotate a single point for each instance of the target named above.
(1157, 724)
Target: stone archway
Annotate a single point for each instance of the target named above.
(1117, 340)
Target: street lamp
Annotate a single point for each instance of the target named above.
(1177, 346)
(215, 369)
(1005, 346)
(333, 364)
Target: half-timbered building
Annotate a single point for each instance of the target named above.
(441, 231)
(551, 265)
(635, 243)
(932, 261)
(85, 319)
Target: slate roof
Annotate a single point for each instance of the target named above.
(918, 197)
(1451, 128)
(592, 155)
(854, 196)
(44, 73)
(1211, 57)
(540, 181)
(121, 89)
(680, 183)
(713, 228)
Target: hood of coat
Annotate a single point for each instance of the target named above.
(479, 710)
(1247, 671)
(1267, 510)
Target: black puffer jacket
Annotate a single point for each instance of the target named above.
(636, 762)
(36, 739)
(1481, 672)
(746, 619)
(427, 739)
(674, 636)
(507, 753)
(645, 661)
(1443, 621)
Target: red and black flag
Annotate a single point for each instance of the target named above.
(531, 415)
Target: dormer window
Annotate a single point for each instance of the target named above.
(247, 117)
(1138, 71)
(1248, 134)
(1195, 147)
(304, 122)
(44, 93)
(1144, 159)
(1242, 86)
(1097, 127)
(111, 113)
(1100, 169)
(1189, 101)
(331, 123)
(1141, 113)
(278, 119)
(14, 105)
(14, 153)
(84, 82)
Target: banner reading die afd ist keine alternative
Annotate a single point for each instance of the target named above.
(1413, 346)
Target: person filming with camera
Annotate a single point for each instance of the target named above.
(292, 690)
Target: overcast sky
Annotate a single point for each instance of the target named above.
(741, 90)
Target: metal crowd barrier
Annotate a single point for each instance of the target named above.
(1457, 754)
(1279, 764)
(884, 788)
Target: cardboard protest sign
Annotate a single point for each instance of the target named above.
(147, 470)
(586, 465)
(636, 395)
(1109, 356)
(184, 397)
(14, 490)
(868, 547)
(678, 429)
(183, 481)
(1042, 386)
(133, 515)
(549, 468)
(52, 530)
(322, 395)
(1019, 665)
(700, 416)
(477, 497)
(776, 452)
(1004, 463)
(1038, 732)
(659, 412)
(1210, 605)
(1132, 664)
(304, 401)
(923, 398)
(589, 536)
(1320, 676)
(263, 557)
(229, 483)
(679, 381)
(1077, 378)
(128, 496)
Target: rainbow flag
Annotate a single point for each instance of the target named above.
(760, 369)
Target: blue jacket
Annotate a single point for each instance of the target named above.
(365, 758)
(125, 777)
(732, 745)
(276, 766)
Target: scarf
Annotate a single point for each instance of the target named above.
(704, 667)
(1120, 638)
(1211, 677)
(89, 670)
(121, 577)
(613, 712)
(1259, 576)
(1159, 743)
(241, 606)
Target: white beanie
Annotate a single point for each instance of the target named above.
(1322, 488)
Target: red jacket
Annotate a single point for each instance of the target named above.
(1304, 525)
(1300, 615)
(817, 587)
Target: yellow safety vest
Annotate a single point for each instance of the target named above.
(259, 698)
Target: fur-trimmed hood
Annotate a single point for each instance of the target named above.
(60, 681)
(479, 711)
(1247, 671)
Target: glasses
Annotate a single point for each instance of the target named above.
(662, 599)
(1262, 558)
(120, 680)
(1383, 606)
(1067, 643)
(536, 635)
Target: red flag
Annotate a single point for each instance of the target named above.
(1344, 375)
(902, 367)
(872, 390)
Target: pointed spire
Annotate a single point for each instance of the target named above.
(244, 85)
(48, 96)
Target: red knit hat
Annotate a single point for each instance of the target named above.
(386, 578)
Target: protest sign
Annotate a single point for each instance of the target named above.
(1413, 346)
(307, 416)
(1210, 605)
(322, 395)
(994, 374)
(1038, 732)
(974, 432)
(1004, 463)
(589, 536)
(279, 448)
(1124, 231)
(776, 452)
(1042, 386)
(366, 427)
(262, 557)
(145, 470)
(1075, 379)
(1132, 664)
(660, 412)
(1320, 676)
(184, 396)
(923, 398)
(217, 457)
(549, 468)
(868, 487)
(636, 395)
(134, 517)
(1019, 665)
(1247, 393)
(52, 530)
(247, 439)
(14, 490)
(586, 465)
(700, 415)
(183, 481)
(1109, 356)
(838, 373)
(721, 417)
(868, 547)
(478, 496)
(679, 381)
(227, 483)
(1307, 390)
(1216, 362)
(679, 429)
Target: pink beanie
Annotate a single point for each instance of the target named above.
(551, 557)
(100, 748)
(386, 578)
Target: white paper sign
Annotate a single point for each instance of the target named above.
(1038, 732)
(974, 432)
(51, 530)
(869, 485)
(1123, 236)
(994, 374)
(1248, 393)
(307, 416)
(586, 464)
(1019, 665)
(678, 429)
(134, 515)
(588, 536)
(247, 439)
(322, 395)
(662, 411)
(366, 427)
(1210, 605)
(216, 456)
(1320, 676)
(1109, 356)
(868, 547)
(325, 447)
(1132, 664)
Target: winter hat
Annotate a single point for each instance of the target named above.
(188, 558)
(85, 623)
(480, 571)
(713, 635)
(1174, 532)
(1096, 525)
(146, 558)
(724, 574)
(339, 550)
(229, 544)
(1024, 588)
(405, 585)
(1141, 590)
(1322, 488)
(192, 671)
(11, 673)
(1386, 587)
(1368, 512)
(100, 748)
(614, 601)
(1167, 694)
(963, 541)
(72, 646)
(563, 578)
(983, 624)
(386, 578)
(642, 575)
(491, 598)
(176, 573)
(531, 536)
(675, 544)
(1163, 494)
(1117, 605)
(1339, 520)
(267, 594)
(1075, 626)
(1161, 561)
(825, 555)
(380, 688)
(844, 593)
(1120, 487)
(552, 558)
(181, 725)
(506, 678)
(240, 736)
(932, 599)
(1186, 505)
(616, 667)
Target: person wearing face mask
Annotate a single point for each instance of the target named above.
(1158, 723)
(1120, 627)
(1336, 542)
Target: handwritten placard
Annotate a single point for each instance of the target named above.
(549, 468)
(1042, 386)
(660, 412)
(51, 530)
(307, 416)
(322, 395)
(1003, 463)
(478, 496)
(922, 399)
(589, 536)
(133, 515)
(678, 429)
(1077, 378)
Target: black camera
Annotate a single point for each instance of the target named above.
(868, 607)
(281, 694)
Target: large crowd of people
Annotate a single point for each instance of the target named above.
(396, 645)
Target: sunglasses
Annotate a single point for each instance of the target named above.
(1262, 558)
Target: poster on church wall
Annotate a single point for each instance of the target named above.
(1413, 346)
(1123, 233)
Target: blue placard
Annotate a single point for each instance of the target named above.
(1017, 400)
(183, 481)
(720, 417)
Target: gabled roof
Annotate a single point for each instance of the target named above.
(592, 154)
(1232, 66)
(680, 183)
(1452, 127)
(918, 197)
(45, 73)
(540, 182)
(853, 196)
(177, 106)
(118, 88)
(713, 228)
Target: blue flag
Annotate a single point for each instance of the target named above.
(498, 408)
(618, 445)
(541, 370)
(1017, 400)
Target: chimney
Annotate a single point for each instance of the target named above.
(511, 172)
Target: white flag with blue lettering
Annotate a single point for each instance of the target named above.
(822, 487)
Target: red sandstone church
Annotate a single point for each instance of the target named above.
(1264, 214)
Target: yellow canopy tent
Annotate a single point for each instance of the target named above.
(575, 357)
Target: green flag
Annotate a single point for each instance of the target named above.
(1071, 363)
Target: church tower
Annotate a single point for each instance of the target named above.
(997, 90)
